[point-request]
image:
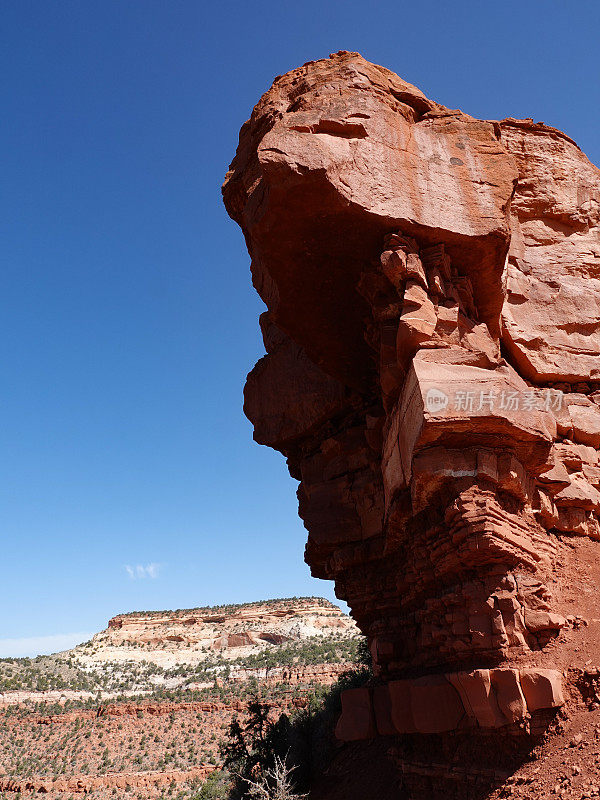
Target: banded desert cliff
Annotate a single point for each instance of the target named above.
(432, 377)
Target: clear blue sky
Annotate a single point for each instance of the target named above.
(128, 317)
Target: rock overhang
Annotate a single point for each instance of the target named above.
(409, 252)
(319, 180)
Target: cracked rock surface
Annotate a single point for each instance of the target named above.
(432, 377)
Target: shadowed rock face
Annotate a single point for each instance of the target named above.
(433, 360)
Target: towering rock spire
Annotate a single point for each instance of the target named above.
(433, 378)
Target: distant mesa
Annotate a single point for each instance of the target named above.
(188, 635)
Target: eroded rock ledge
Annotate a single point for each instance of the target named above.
(432, 371)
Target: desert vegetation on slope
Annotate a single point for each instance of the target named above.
(70, 723)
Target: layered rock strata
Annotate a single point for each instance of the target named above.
(432, 375)
(85, 784)
(192, 635)
(440, 703)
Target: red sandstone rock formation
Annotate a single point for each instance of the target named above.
(432, 377)
(84, 784)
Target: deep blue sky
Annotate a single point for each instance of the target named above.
(128, 317)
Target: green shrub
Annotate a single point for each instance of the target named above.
(216, 787)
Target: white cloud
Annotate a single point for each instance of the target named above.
(140, 571)
(29, 646)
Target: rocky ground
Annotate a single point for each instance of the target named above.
(144, 706)
(561, 761)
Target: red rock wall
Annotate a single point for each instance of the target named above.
(433, 358)
(84, 784)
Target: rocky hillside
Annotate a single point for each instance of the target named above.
(148, 652)
(145, 705)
